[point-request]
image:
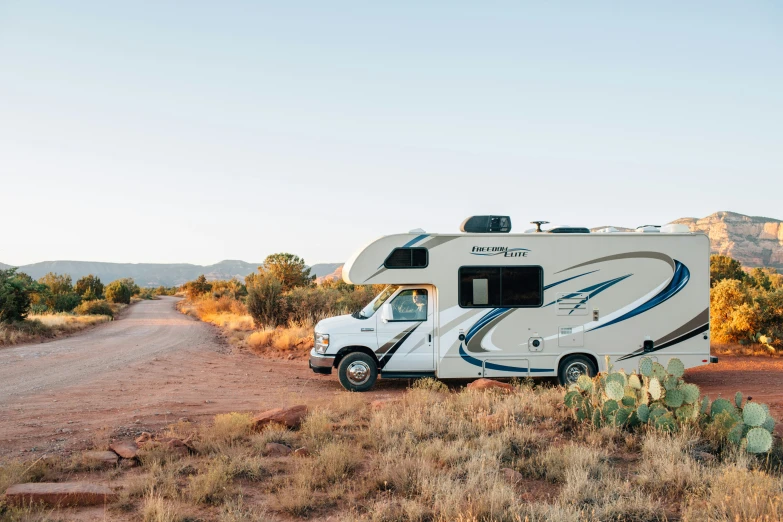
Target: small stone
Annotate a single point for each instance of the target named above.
(273, 449)
(490, 384)
(59, 494)
(289, 417)
(301, 452)
(511, 476)
(144, 437)
(104, 459)
(126, 449)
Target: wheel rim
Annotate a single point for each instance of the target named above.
(358, 373)
(574, 371)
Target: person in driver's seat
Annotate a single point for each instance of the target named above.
(412, 306)
(420, 300)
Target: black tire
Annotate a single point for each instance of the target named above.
(357, 372)
(573, 366)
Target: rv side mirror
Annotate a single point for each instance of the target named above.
(386, 313)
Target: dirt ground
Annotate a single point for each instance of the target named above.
(155, 366)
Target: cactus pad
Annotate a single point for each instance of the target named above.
(646, 367)
(622, 416)
(685, 413)
(614, 390)
(735, 434)
(609, 408)
(705, 405)
(738, 399)
(584, 383)
(721, 405)
(769, 424)
(629, 402)
(643, 412)
(759, 441)
(753, 414)
(634, 382)
(690, 393)
(655, 389)
(671, 383)
(657, 412)
(573, 399)
(597, 418)
(673, 398)
(617, 377)
(676, 367)
(666, 422)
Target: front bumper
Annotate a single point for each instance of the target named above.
(321, 363)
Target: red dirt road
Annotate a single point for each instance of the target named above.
(155, 366)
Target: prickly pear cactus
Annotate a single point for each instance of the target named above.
(622, 416)
(617, 377)
(721, 405)
(646, 367)
(671, 383)
(705, 405)
(655, 389)
(673, 398)
(634, 382)
(666, 422)
(753, 414)
(609, 408)
(584, 383)
(643, 412)
(735, 434)
(686, 413)
(659, 372)
(769, 424)
(690, 393)
(573, 399)
(675, 367)
(758, 440)
(738, 399)
(614, 390)
(657, 412)
(629, 402)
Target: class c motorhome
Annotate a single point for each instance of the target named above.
(545, 303)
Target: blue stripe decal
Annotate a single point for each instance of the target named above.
(595, 289)
(415, 240)
(489, 316)
(677, 283)
(547, 287)
(498, 367)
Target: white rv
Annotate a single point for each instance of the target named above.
(487, 303)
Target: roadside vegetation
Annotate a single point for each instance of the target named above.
(436, 454)
(274, 310)
(53, 306)
(746, 308)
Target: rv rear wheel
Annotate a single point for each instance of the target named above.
(571, 368)
(357, 372)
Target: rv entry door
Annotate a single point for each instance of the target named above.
(405, 331)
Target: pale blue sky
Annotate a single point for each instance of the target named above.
(195, 132)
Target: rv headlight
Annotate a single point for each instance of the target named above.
(321, 342)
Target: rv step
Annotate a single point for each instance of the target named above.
(406, 375)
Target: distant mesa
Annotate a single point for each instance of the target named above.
(752, 240)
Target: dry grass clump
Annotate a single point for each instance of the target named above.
(46, 326)
(155, 508)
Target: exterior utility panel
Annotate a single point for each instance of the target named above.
(503, 305)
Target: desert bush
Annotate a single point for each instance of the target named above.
(265, 300)
(57, 293)
(290, 270)
(197, 287)
(95, 308)
(15, 296)
(89, 287)
(118, 292)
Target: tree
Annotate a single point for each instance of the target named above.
(89, 288)
(118, 292)
(198, 287)
(759, 278)
(724, 267)
(131, 284)
(265, 300)
(59, 294)
(15, 295)
(289, 269)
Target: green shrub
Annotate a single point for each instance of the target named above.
(95, 308)
(89, 287)
(118, 292)
(197, 287)
(265, 300)
(15, 295)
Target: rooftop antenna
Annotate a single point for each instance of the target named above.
(538, 225)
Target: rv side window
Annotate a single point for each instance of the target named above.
(500, 287)
(407, 258)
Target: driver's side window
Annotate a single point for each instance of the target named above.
(410, 305)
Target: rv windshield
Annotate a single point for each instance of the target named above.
(376, 303)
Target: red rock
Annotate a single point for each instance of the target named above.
(126, 449)
(301, 452)
(106, 459)
(273, 449)
(511, 476)
(144, 437)
(289, 417)
(489, 384)
(59, 494)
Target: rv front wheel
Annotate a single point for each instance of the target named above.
(357, 372)
(571, 368)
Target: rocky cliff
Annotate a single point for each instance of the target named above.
(752, 240)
